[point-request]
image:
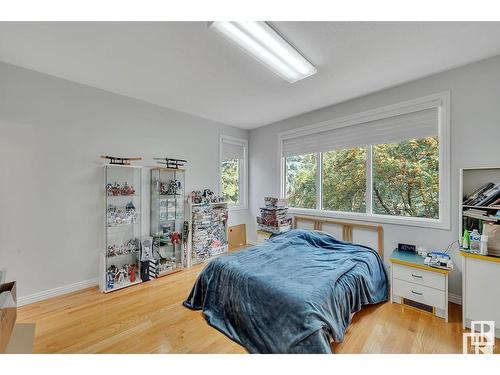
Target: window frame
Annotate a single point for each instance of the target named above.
(440, 101)
(243, 169)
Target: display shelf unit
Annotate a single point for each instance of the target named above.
(480, 273)
(470, 180)
(167, 216)
(120, 261)
(208, 231)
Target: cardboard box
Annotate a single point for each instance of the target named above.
(8, 312)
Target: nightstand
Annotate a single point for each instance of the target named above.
(415, 284)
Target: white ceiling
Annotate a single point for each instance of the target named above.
(187, 67)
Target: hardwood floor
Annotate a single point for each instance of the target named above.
(150, 318)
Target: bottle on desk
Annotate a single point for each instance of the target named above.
(484, 245)
(466, 240)
(475, 242)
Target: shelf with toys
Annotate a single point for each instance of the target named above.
(208, 227)
(167, 218)
(120, 261)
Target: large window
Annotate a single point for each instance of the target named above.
(389, 167)
(233, 171)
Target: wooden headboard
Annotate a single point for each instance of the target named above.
(347, 227)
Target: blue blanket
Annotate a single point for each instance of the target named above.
(291, 294)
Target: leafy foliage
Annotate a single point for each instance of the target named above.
(230, 175)
(344, 180)
(405, 179)
(301, 180)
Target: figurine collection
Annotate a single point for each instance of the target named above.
(168, 236)
(121, 216)
(166, 265)
(131, 246)
(152, 255)
(205, 196)
(117, 276)
(172, 187)
(115, 189)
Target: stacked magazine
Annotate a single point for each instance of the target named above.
(274, 216)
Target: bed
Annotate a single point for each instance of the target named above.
(293, 294)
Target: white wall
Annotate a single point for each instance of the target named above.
(52, 133)
(475, 134)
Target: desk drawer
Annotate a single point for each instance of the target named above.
(419, 293)
(421, 277)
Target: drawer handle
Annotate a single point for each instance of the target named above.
(417, 293)
(417, 276)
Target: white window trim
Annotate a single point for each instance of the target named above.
(441, 101)
(243, 171)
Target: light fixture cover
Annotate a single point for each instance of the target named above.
(263, 43)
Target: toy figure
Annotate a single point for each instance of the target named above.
(110, 276)
(115, 189)
(112, 251)
(130, 214)
(208, 195)
(196, 196)
(174, 186)
(131, 246)
(132, 270)
(175, 238)
(127, 189)
(109, 280)
(121, 274)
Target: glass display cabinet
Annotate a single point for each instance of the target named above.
(121, 258)
(167, 218)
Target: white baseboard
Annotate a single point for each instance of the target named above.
(455, 298)
(40, 296)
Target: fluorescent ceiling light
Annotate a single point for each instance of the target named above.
(260, 41)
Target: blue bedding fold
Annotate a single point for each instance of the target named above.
(290, 294)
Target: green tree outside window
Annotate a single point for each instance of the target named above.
(230, 175)
(405, 179)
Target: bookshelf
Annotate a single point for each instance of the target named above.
(208, 232)
(480, 273)
(473, 215)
